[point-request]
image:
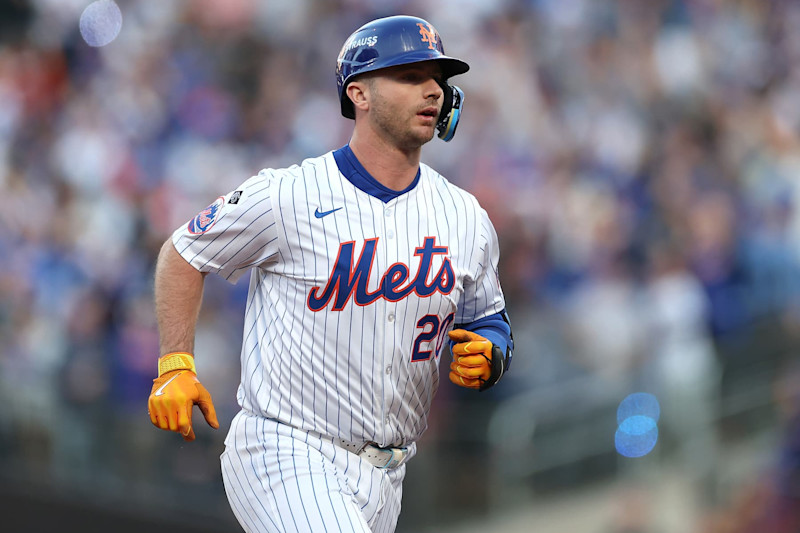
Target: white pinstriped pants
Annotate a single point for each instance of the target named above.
(281, 479)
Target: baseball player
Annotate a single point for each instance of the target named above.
(363, 263)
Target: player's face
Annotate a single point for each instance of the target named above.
(405, 103)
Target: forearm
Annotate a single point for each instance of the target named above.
(178, 293)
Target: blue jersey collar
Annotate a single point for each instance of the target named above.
(352, 169)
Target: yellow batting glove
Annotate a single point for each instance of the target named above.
(175, 392)
(472, 359)
(477, 362)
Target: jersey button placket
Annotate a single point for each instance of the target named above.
(386, 357)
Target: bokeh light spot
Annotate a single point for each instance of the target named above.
(637, 417)
(638, 403)
(637, 425)
(100, 23)
(636, 445)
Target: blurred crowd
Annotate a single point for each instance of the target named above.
(639, 159)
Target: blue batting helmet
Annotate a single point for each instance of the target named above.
(387, 42)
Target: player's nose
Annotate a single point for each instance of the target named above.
(432, 89)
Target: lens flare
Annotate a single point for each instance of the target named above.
(639, 403)
(637, 416)
(100, 23)
(637, 444)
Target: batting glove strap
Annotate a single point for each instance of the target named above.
(499, 363)
(176, 361)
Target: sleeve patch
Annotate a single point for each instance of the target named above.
(206, 218)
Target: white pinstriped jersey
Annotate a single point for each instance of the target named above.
(352, 291)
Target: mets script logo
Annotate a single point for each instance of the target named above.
(206, 218)
(428, 34)
(349, 279)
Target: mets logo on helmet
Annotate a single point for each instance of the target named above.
(428, 34)
(206, 218)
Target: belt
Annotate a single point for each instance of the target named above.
(385, 458)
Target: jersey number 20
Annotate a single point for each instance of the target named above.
(432, 328)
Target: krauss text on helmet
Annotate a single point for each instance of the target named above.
(371, 40)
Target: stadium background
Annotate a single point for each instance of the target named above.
(639, 160)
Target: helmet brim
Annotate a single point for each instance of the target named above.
(451, 66)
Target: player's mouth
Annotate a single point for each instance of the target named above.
(429, 114)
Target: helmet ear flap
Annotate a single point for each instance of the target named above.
(447, 99)
(452, 101)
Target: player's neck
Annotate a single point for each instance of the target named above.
(389, 165)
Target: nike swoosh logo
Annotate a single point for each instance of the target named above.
(320, 214)
(160, 390)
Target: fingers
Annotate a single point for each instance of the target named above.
(176, 417)
(483, 372)
(172, 409)
(158, 414)
(170, 413)
(185, 420)
(207, 406)
(472, 360)
(471, 372)
(172, 419)
(461, 381)
(469, 343)
(473, 347)
(151, 410)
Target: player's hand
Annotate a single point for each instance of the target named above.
(477, 363)
(172, 398)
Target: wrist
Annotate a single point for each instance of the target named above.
(176, 361)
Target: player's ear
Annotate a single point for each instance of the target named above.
(358, 92)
